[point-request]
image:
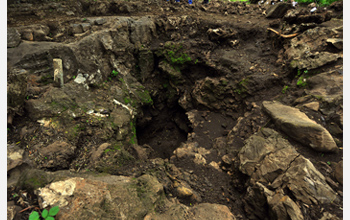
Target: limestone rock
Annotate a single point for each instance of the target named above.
(277, 10)
(298, 126)
(308, 51)
(312, 105)
(306, 183)
(13, 37)
(315, 60)
(281, 205)
(338, 172)
(268, 159)
(337, 42)
(327, 86)
(191, 150)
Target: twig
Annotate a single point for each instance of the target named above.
(29, 207)
(282, 35)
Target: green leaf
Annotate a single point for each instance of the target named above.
(34, 216)
(54, 210)
(50, 218)
(45, 213)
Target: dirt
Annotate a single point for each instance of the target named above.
(164, 125)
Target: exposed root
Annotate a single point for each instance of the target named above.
(282, 35)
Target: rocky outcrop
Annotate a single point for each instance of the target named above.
(13, 37)
(308, 50)
(16, 91)
(298, 126)
(274, 167)
(121, 197)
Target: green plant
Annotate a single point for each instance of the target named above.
(114, 73)
(47, 215)
(321, 2)
(302, 81)
(284, 90)
(329, 163)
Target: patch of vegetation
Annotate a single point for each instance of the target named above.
(321, 2)
(175, 54)
(241, 87)
(284, 90)
(47, 215)
(303, 75)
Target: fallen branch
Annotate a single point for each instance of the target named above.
(30, 207)
(282, 35)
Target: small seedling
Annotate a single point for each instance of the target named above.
(114, 73)
(284, 90)
(329, 163)
(47, 215)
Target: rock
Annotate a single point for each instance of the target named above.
(278, 10)
(315, 60)
(142, 31)
(141, 152)
(13, 37)
(80, 79)
(168, 69)
(206, 211)
(16, 91)
(97, 153)
(27, 35)
(338, 172)
(12, 210)
(314, 190)
(296, 123)
(85, 26)
(281, 205)
(40, 35)
(76, 29)
(327, 87)
(270, 160)
(14, 156)
(114, 197)
(336, 42)
(203, 211)
(32, 179)
(146, 63)
(312, 105)
(70, 13)
(100, 21)
(309, 51)
(329, 216)
(58, 154)
(191, 150)
(58, 72)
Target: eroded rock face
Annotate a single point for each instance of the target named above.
(270, 160)
(298, 126)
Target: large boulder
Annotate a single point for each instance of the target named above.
(298, 126)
